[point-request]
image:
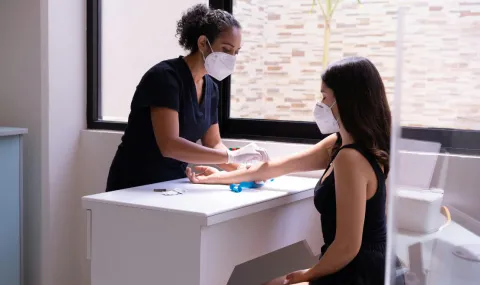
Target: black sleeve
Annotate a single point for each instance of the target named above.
(160, 87)
(215, 99)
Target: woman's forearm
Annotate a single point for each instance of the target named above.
(335, 258)
(228, 177)
(257, 172)
(186, 151)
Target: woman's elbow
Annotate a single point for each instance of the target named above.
(167, 148)
(349, 249)
(353, 251)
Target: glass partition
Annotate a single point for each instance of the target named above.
(434, 185)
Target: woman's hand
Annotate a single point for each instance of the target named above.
(297, 277)
(206, 174)
(205, 170)
(202, 174)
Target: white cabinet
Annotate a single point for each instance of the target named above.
(11, 205)
(138, 236)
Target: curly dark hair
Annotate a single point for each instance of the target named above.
(201, 20)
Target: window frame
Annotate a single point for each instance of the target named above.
(452, 140)
(93, 71)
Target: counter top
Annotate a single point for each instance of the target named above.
(208, 200)
(5, 131)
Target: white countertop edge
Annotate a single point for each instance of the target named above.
(215, 217)
(87, 204)
(6, 131)
(289, 198)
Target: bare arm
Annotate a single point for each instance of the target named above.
(166, 129)
(213, 140)
(351, 194)
(314, 158)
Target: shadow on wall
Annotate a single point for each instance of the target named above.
(97, 149)
(458, 176)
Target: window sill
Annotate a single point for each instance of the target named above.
(109, 140)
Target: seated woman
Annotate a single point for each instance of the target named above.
(351, 195)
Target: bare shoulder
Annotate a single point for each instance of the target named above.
(349, 160)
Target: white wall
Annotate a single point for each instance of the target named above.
(66, 117)
(42, 88)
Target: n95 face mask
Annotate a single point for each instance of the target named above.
(324, 118)
(219, 65)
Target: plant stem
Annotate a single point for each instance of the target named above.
(322, 9)
(326, 42)
(334, 8)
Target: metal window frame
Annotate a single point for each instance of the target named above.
(452, 140)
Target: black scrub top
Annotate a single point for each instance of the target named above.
(138, 160)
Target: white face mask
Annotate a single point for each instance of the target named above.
(219, 65)
(324, 118)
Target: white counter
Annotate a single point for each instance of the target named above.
(138, 236)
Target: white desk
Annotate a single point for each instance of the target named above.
(433, 254)
(137, 236)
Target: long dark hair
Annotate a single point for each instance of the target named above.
(362, 104)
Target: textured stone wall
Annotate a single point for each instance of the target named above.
(279, 67)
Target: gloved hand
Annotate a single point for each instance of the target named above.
(248, 153)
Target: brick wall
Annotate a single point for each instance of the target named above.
(278, 70)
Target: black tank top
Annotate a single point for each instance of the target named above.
(374, 229)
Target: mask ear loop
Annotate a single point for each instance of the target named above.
(334, 103)
(210, 46)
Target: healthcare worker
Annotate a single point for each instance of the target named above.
(176, 104)
(351, 194)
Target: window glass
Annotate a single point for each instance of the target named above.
(278, 74)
